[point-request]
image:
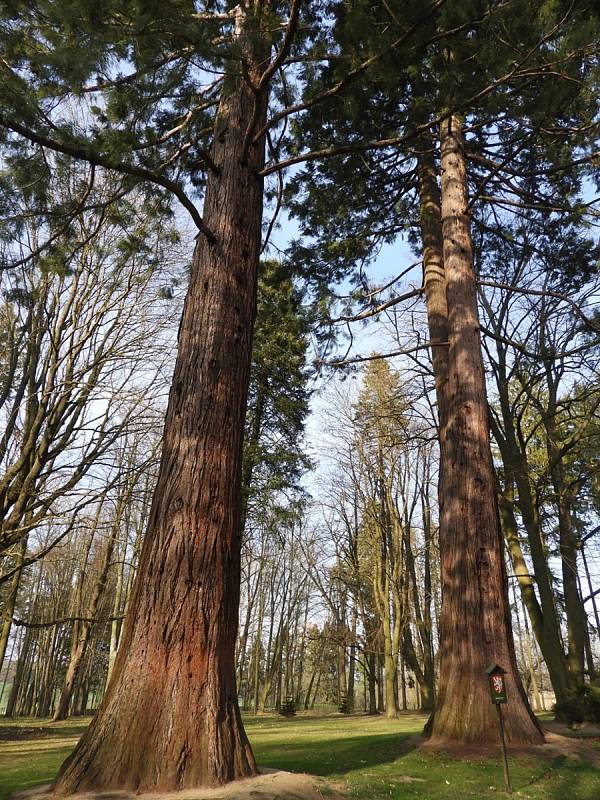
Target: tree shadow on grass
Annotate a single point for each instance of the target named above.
(18, 733)
(309, 717)
(338, 756)
(584, 785)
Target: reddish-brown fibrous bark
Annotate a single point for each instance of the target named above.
(170, 718)
(475, 621)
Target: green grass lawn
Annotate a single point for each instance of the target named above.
(366, 758)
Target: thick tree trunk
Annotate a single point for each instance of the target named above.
(475, 616)
(170, 718)
(434, 282)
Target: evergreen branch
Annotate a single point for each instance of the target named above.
(85, 153)
(359, 147)
(133, 76)
(21, 623)
(285, 46)
(504, 201)
(264, 79)
(515, 71)
(77, 210)
(228, 16)
(350, 76)
(503, 167)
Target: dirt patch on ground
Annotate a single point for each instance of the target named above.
(582, 747)
(24, 733)
(584, 731)
(270, 785)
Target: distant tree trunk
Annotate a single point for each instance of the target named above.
(380, 689)
(19, 676)
(83, 630)
(410, 657)
(575, 613)
(242, 656)
(302, 652)
(309, 689)
(316, 691)
(372, 680)
(403, 698)
(391, 684)
(11, 601)
(115, 626)
(590, 589)
(352, 663)
(541, 606)
(341, 670)
(530, 664)
(25, 658)
(427, 694)
(258, 648)
(170, 717)
(273, 661)
(424, 674)
(543, 616)
(475, 616)
(52, 649)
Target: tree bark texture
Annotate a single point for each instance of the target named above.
(170, 718)
(475, 617)
(434, 278)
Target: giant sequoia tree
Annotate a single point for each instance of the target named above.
(174, 98)
(170, 717)
(501, 75)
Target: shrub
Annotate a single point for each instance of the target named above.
(582, 705)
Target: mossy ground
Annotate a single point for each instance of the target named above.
(362, 757)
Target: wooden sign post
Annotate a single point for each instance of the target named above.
(496, 675)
